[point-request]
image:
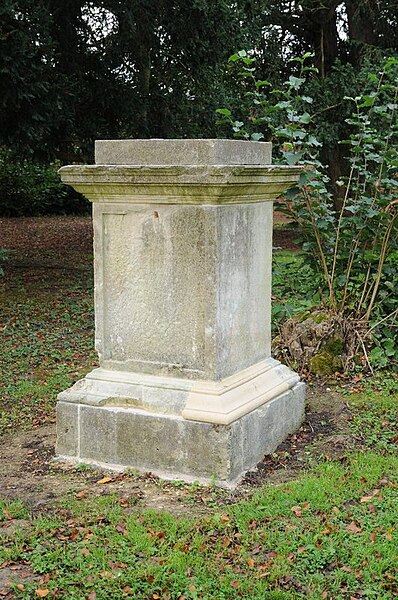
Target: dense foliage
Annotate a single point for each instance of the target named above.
(351, 237)
(33, 189)
(74, 71)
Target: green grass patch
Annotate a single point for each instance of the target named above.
(47, 343)
(331, 534)
(375, 421)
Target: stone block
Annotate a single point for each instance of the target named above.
(182, 152)
(173, 447)
(67, 429)
(97, 431)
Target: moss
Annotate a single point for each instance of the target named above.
(333, 346)
(325, 363)
(315, 316)
(320, 317)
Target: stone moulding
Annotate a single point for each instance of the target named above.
(210, 402)
(181, 184)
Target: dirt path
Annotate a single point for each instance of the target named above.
(46, 233)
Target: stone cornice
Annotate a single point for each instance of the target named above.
(217, 184)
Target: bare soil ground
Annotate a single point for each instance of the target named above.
(28, 471)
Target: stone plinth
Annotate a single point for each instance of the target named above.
(186, 386)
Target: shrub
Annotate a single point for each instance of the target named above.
(350, 238)
(31, 189)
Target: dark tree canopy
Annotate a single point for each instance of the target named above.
(72, 71)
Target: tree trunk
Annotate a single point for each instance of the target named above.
(65, 18)
(320, 30)
(361, 17)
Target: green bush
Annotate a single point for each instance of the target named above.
(29, 189)
(351, 236)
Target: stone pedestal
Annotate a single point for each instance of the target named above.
(183, 239)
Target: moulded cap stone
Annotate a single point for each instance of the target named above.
(157, 152)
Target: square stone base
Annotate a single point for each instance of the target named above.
(171, 446)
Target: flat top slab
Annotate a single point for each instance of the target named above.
(156, 152)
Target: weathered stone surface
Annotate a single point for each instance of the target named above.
(67, 429)
(182, 152)
(172, 447)
(183, 241)
(183, 290)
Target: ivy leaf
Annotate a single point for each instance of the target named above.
(262, 83)
(296, 82)
(224, 111)
(304, 118)
(255, 137)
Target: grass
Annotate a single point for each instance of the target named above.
(47, 343)
(330, 534)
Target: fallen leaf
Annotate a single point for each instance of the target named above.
(235, 584)
(353, 528)
(105, 480)
(225, 518)
(121, 528)
(82, 494)
(92, 596)
(370, 496)
(250, 563)
(40, 593)
(297, 511)
(20, 587)
(85, 551)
